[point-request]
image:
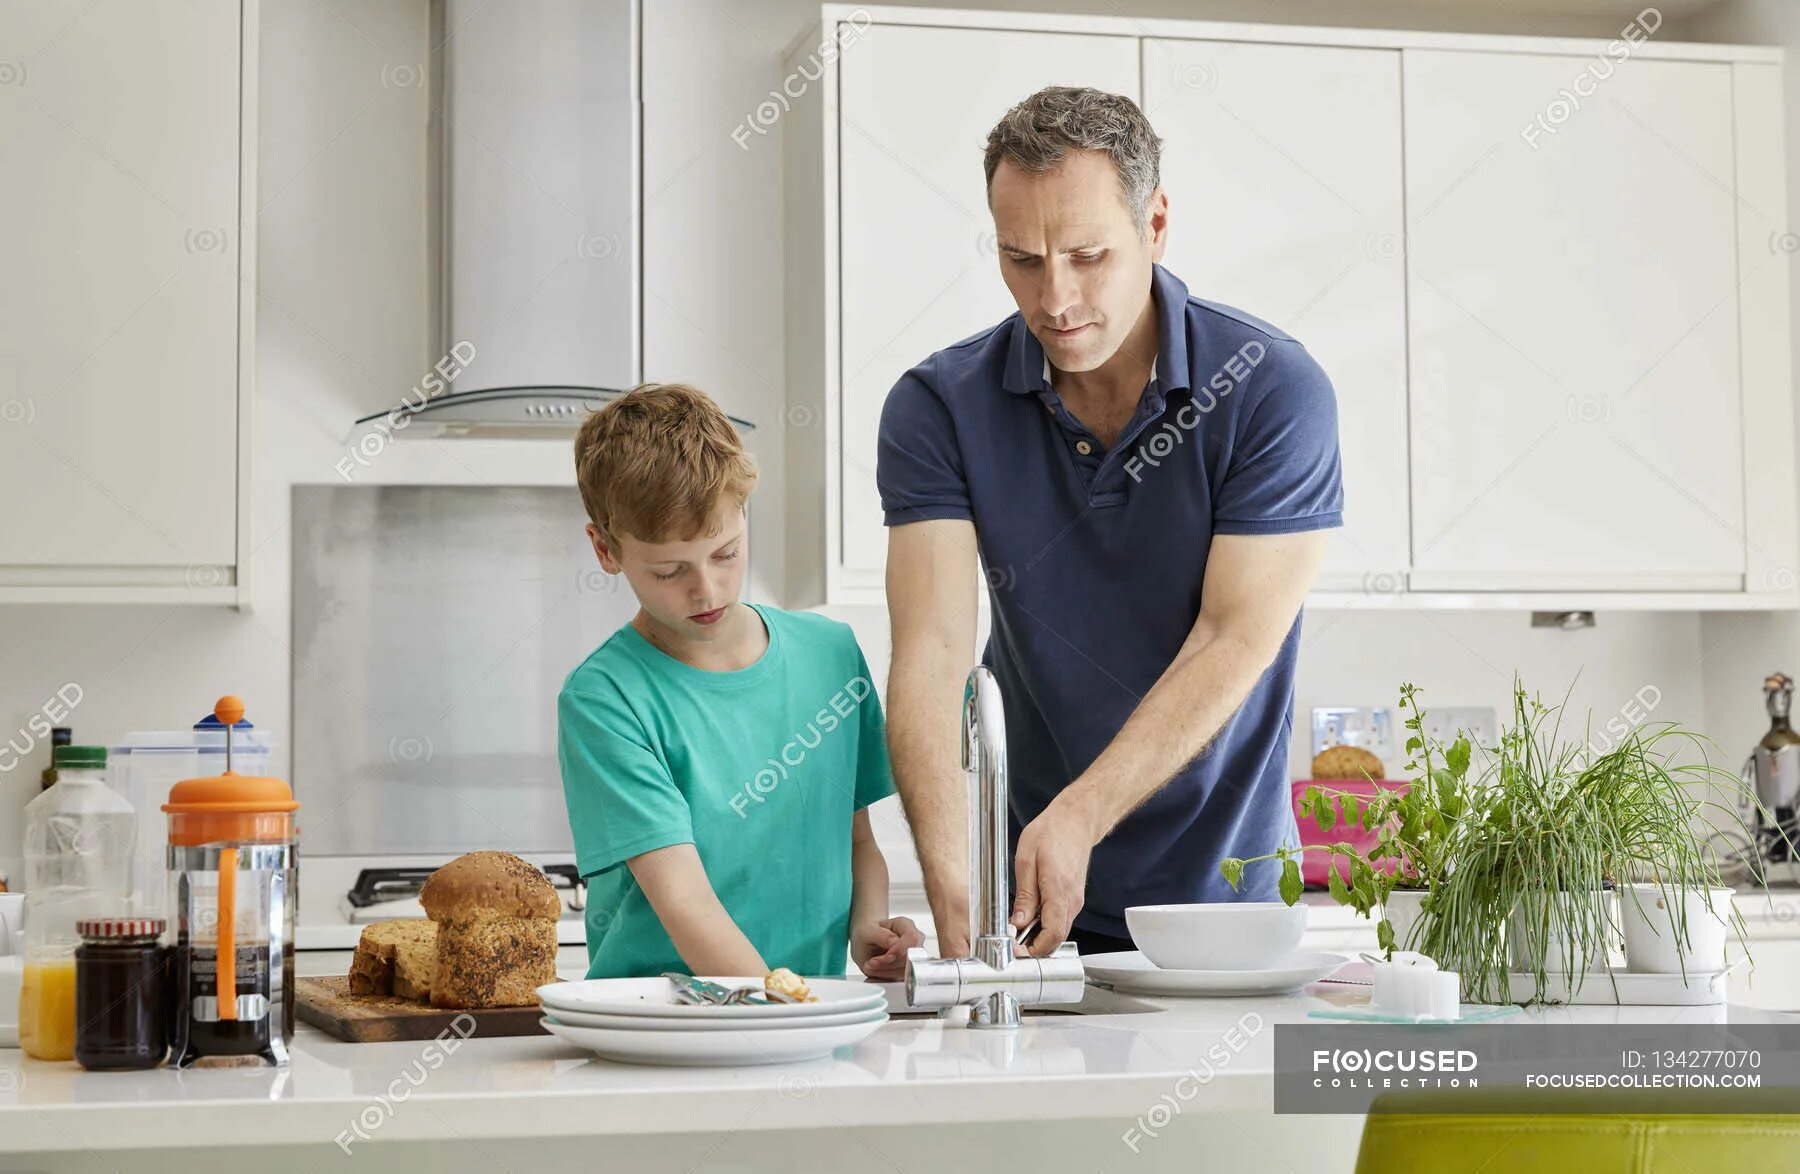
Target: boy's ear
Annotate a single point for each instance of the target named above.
(609, 558)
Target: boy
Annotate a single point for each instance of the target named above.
(716, 756)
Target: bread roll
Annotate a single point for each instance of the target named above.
(1346, 762)
(496, 931)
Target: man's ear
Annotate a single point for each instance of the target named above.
(1156, 223)
(609, 558)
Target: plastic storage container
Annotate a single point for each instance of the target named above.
(78, 844)
(148, 764)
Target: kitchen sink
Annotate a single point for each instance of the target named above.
(1098, 1000)
(1095, 1001)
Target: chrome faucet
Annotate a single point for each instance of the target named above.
(993, 982)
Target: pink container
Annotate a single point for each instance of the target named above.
(1313, 865)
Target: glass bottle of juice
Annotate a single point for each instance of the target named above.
(78, 842)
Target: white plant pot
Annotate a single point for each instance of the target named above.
(1612, 954)
(1401, 910)
(1653, 943)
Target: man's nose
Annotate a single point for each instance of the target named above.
(1058, 294)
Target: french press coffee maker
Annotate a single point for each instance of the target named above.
(233, 887)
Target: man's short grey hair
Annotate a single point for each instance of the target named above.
(1039, 132)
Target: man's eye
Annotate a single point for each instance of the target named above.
(1095, 256)
(1018, 260)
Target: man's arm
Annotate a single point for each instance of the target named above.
(1255, 585)
(931, 582)
(705, 936)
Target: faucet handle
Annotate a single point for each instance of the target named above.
(932, 982)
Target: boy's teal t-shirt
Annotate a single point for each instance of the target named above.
(761, 769)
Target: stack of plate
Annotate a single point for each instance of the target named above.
(638, 1021)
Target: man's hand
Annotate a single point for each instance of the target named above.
(1050, 869)
(879, 947)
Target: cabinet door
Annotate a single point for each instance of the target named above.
(919, 271)
(119, 308)
(1576, 409)
(1284, 174)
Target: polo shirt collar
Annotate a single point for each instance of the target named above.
(1028, 368)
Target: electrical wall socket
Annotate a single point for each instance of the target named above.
(1476, 721)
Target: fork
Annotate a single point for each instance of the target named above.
(698, 991)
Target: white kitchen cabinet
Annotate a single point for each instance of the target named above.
(1561, 355)
(1576, 414)
(915, 267)
(1283, 168)
(125, 316)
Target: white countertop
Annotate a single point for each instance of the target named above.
(914, 1070)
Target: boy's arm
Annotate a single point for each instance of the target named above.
(868, 873)
(706, 937)
(878, 943)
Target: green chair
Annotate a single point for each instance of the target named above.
(1508, 1141)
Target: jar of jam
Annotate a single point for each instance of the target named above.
(121, 1010)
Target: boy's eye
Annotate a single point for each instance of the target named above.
(727, 556)
(658, 575)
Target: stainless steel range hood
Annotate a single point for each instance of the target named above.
(523, 413)
(536, 145)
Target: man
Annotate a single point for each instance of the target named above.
(1147, 478)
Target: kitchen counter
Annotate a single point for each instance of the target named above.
(916, 1071)
(920, 1094)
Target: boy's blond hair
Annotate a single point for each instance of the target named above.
(656, 462)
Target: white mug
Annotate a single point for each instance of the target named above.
(12, 922)
(12, 975)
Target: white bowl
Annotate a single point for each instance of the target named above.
(1219, 935)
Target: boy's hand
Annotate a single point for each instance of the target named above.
(879, 947)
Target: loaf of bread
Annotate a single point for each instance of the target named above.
(496, 962)
(496, 931)
(395, 957)
(1346, 762)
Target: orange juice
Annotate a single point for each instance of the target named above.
(47, 1009)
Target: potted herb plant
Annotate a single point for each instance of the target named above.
(1553, 824)
(1414, 829)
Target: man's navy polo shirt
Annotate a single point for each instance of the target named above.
(1095, 560)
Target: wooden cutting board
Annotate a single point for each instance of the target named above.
(328, 1005)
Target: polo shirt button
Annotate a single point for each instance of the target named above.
(1083, 447)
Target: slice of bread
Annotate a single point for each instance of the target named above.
(395, 958)
(415, 968)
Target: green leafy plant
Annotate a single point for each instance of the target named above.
(1530, 840)
(1413, 827)
(1552, 825)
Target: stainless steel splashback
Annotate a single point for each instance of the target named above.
(433, 626)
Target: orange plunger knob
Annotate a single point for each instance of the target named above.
(229, 710)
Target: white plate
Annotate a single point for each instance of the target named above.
(688, 1023)
(655, 996)
(728, 1045)
(1133, 973)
